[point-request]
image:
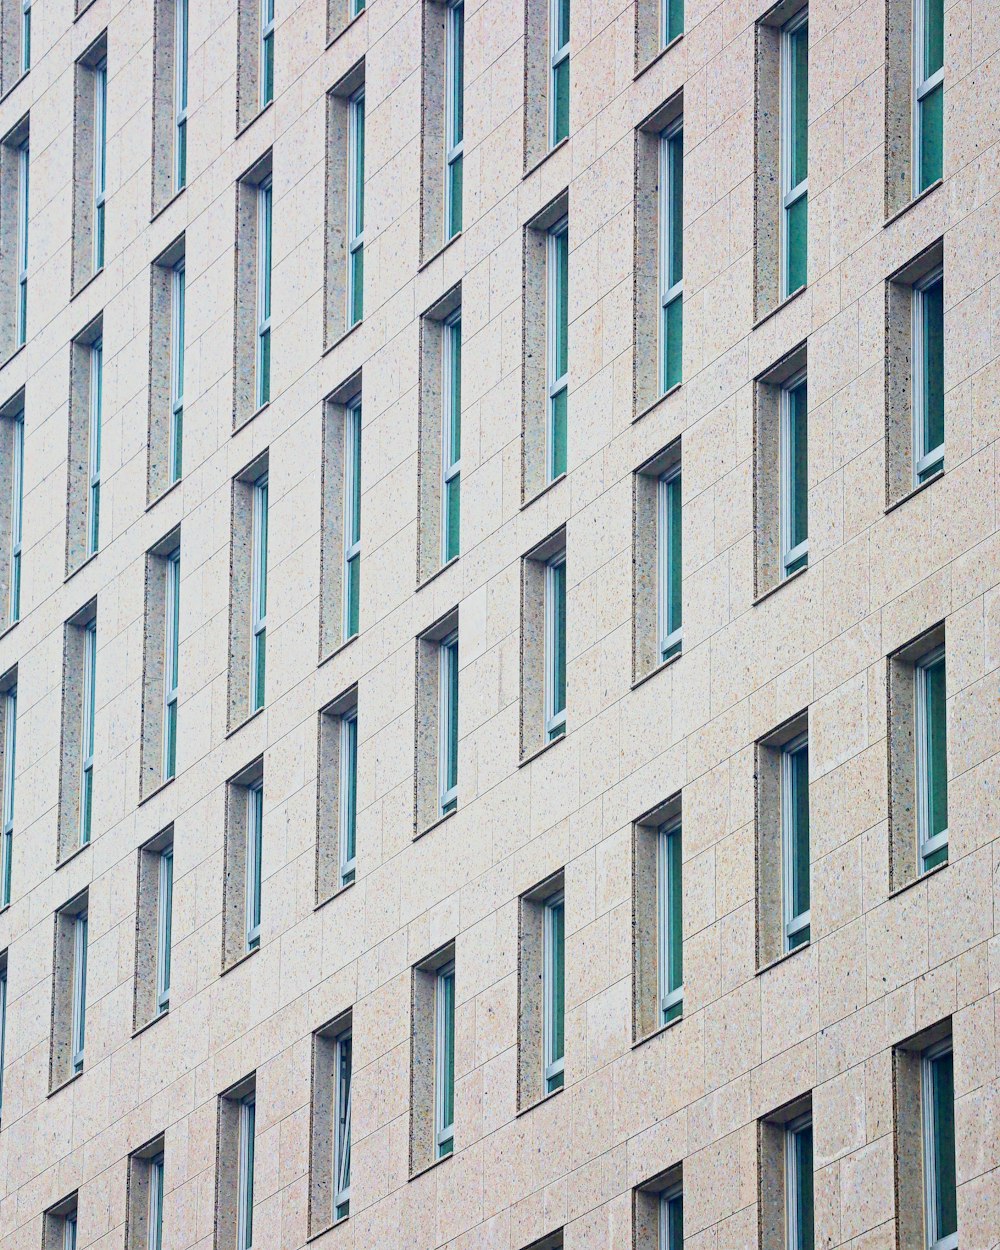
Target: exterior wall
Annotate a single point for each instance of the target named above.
(879, 968)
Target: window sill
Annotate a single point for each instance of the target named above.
(83, 286)
(434, 1163)
(160, 1015)
(323, 902)
(340, 338)
(238, 963)
(916, 490)
(901, 212)
(785, 581)
(782, 958)
(325, 659)
(641, 681)
(431, 577)
(660, 399)
(241, 130)
(542, 159)
(67, 859)
(321, 1232)
(667, 47)
(544, 491)
(918, 879)
(14, 85)
(163, 494)
(351, 21)
(16, 352)
(546, 746)
(779, 307)
(243, 723)
(62, 1084)
(10, 627)
(88, 4)
(242, 425)
(80, 567)
(663, 1028)
(145, 798)
(158, 212)
(422, 833)
(538, 1101)
(426, 264)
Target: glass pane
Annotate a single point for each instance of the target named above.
(675, 158)
(561, 301)
(562, 23)
(455, 197)
(560, 98)
(260, 669)
(453, 490)
(458, 74)
(798, 468)
(447, 991)
(86, 804)
(359, 165)
(931, 137)
(264, 376)
(936, 748)
(798, 848)
(557, 434)
(559, 637)
(353, 594)
(675, 19)
(803, 1147)
(357, 285)
(796, 239)
(167, 906)
(267, 92)
(557, 989)
(673, 338)
(455, 398)
(248, 1190)
(178, 441)
(798, 56)
(674, 554)
(182, 154)
(933, 43)
(932, 332)
(452, 743)
(943, 1109)
(171, 746)
(675, 934)
(262, 493)
(675, 1223)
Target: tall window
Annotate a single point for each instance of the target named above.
(177, 310)
(454, 116)
(244, 1191)
(16, 516)
(553, 991)
(356, 207)
(795, 841)
(557, 325)
(671, 254)
(95, 412)
(348, 813)
(266, 52)
(669, 562)
(448, 724)
(154, 1223)
(69, 1231)
(180, 92)
(3, 1028)
(670, 960)
(254, 850)
(342, 1126)
(555, 647)
(558, 71)
(258, 594)
(25, 36)
(794, 474)
(451, 459)
(938, 1103)
(799, 1183)
(352, 517)
(87, 730)
(444, 1061)
(673, 20)
(794, 151)
(164, 926)
(928, 376)
(263, 371)
(78, 1017)
(671, 1219)
(170, 661)
(100, 158)
(931, 759)
(9, 773)
(928, 92)
(21, 329)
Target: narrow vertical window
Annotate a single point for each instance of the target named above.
(177, 310)
(247, 1123)
(164, 926)
(451, 459)
(95, 412)
(25, 36)
(3, 1028)
(254, 850)
(448, 724)
(558, 71)
(928, 92)
(21, 329)
(78, 1018)
(69, 1232)
(454, 116)
(794, 152)
(669, 562)
(938, 1102)
(673, 20)
(348, 813)
(928, 376)
(553, 992)
(356, 208)
(352, 517)
(154, 1223)
(931, 759)
(795, 841)
(343, 1071)
(444, 1061)
(799, 1184)
(670, 966)
(794, 476)
(557, 323)
(258, 594)
(180, 92)
(266, 52)
(9, 773)
(264, 206)
(87, 731)
(555, 647)
(671, 255)
(671, 1219)
(100, 158)
(16, 516)
(170, 662)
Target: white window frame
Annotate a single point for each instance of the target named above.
(342, 1139)
(178, 298)
(21, 330)
(926, 845)
(447, 659)
(352, 492)
(170, 657)
(790, 195)
(789, 554)
(164, 926)
(348, 728)
(180, 89)
(355, 236)
(25, 58)
(454, 149)
(78, 1014)
(265, 219)
(451, 465)
(69, 1231)
(154, 1221)
(552, 1065)
(254, 889)
(665, 1242)
(100, 161)
(266, 33)
(791, 925)
(16, 518)
(556, 383)
(89, 712)
(244, 1187)
(924, 458)
(922, 87)
(7, 831)
(95, 416)
(557, 54)
(258, 583)
(668, 998)
(793, 1229)
(444, 1134)
(670, 641)
(554, 720)
(929, 1147)
(668, 191)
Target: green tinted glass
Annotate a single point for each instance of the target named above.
(932, 336)
(931, 137)
(798, 65)
(674, 12)
(357, 285)
(455, 196)
(353, 594)
(446, 988)
(798, 471)
(932, 51)
(560, 277)
(675, 163)
(936, 747)
(675, 935)
(796, 242)
(673, 342)
(557, 434)
(350, 739)
(557, 989)
(559, 637)
(452, 506)
(798, 835)
(672, 517)
(560, 106)
(803, 1148)
(943, 1114)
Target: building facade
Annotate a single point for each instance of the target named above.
(500, 738)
